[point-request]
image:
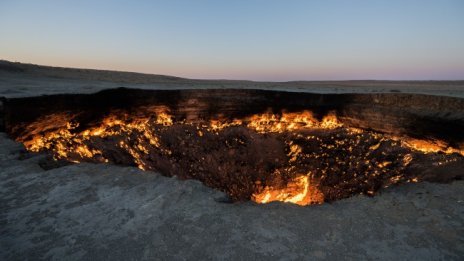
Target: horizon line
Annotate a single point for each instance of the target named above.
(225, 79)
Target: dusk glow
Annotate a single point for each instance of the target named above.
(254, 40)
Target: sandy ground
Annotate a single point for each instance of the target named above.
(21, 80)
(97, 211)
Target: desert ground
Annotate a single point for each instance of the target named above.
(22, 80)
(101, 211)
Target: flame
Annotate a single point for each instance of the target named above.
(216, 125)
(298, 191)
(426, 146)
(290, 122)
(60, 139)
(283, 122)
(294, 152)
(121, 123)
(138, 136)
(330, 121)
(164, 119)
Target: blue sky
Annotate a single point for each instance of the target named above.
(248, 39)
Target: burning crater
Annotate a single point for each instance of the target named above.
(254, 145)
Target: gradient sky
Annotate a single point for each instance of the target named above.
(250, 39)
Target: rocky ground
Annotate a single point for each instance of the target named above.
(97, 211)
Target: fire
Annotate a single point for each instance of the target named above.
(164, 119)
(294, 152)
(334, 148)
(283, 122)
(110, 126)
(298, 191)
(216, 125)
(290, 122)
(330, 121)
(430, 146)
(121, 123)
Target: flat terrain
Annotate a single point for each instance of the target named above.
(105, 212)
(20, 80)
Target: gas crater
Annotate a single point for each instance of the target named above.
(254, 145)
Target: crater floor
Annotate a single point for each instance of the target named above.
(100, 211)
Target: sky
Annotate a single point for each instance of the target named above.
(270, 40)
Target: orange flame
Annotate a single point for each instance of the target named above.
(298, 191)
(430, 146)
(290, 122)
(66, 143)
